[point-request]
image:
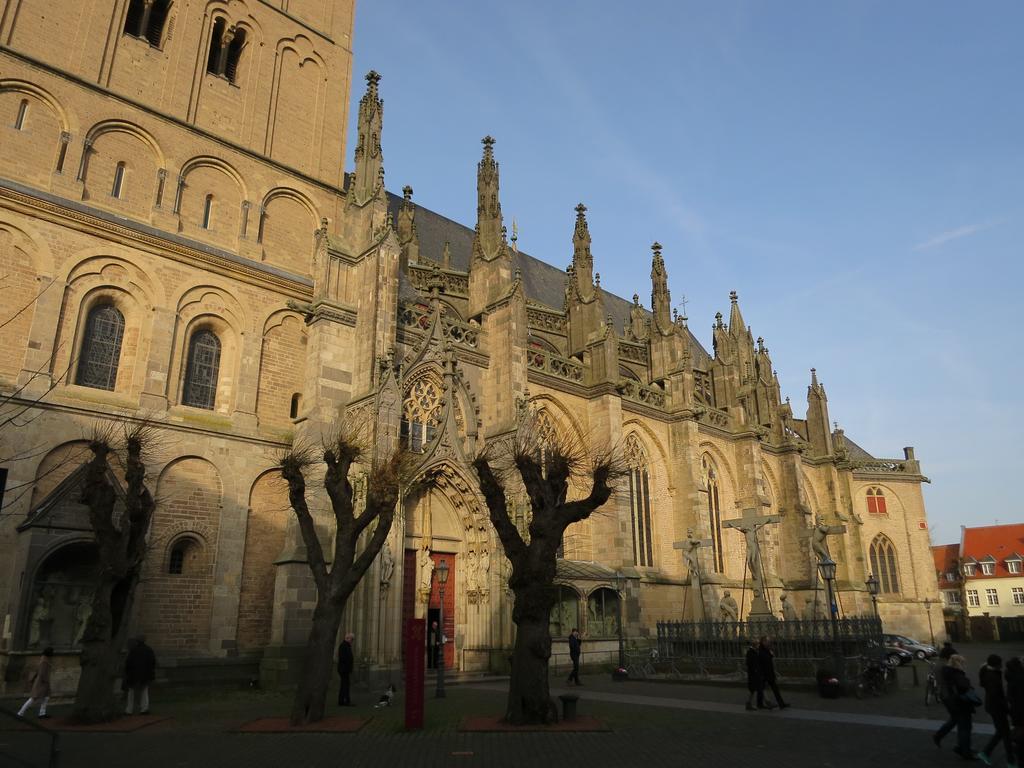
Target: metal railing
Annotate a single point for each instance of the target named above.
(33, 755)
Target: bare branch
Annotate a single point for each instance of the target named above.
(293, 466)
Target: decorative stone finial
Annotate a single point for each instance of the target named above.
(636, 299)
(733, 297)
(580, 210)
(372, 77)
(656, 247)
(407, 192)
(597, 279)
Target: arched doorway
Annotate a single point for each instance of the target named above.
(60, 598)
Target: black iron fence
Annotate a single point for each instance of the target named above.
(802, 639)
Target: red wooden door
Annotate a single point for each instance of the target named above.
(449, 604)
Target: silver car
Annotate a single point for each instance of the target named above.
(920, 650)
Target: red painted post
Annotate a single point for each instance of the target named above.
(415, 659)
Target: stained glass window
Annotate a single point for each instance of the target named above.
(101, 348)
(639, 502)
(883, 564)
(203, 367)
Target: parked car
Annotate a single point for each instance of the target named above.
(920, 650)
(893, 654)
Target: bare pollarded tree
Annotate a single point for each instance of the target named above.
(121, 550)
(547, 465)
(335, 584)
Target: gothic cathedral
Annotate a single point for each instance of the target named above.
(179, 240)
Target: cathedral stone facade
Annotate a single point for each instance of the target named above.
(179, 241)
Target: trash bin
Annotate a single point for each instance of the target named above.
(569, 706)
(829, 686)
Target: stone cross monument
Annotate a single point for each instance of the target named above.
(748, 524)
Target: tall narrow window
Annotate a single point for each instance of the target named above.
(421, 414)
(714, 513)
(216, 39)
(133, 21)
(639, 502)
(101, 348)
(115, 191)
(154, 30)
(19, 121)
(293, 412)
(208, 212)
(200, 390)
(883, 564)
(876, 501)
(234, 54)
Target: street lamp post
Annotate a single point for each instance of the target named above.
(827, 566)
(928, 607)
(872, 584)
(620, 586)
(442, 577)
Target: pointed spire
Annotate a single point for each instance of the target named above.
(368, 177)
(446, 255)
(489, 242)
(582, 261)
(406, 217)
(814, 378)
(661, 301)
(736, 324)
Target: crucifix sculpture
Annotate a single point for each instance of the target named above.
(819, 543)
(749, 523)
(690, 547)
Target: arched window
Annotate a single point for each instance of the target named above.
(714, 513)
(883, 564)
(101, 348)
(145, 19)
(226, 45)
(639, 502)
(115, 191)
(182, 554)
(565, 613)
(293, 411)
(208, 212)
(603, 613)
(421, 414)
(200, 389)
(876, 501)
(19, 121)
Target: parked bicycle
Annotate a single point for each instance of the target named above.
(873, 678)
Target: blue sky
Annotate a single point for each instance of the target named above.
(855, 170)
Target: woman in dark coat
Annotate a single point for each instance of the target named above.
(766, 656)
(990, 678)
(1015, 700)
(955, 690)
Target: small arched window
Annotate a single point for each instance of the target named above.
(208, 212)
(118, 186)
(603, 613)
(293, 411)
(200, 390)
(101, 348)
(226, 46)
(19, 121)
(146, 19)
(714, 513)
(234, 55)
(182, 553)
(884, 564)
(565, 613)
(876, 501)
(639, 502)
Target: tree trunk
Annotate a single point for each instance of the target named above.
(96, 699)
(529, 698)
(318, 667)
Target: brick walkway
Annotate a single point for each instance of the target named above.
(653, 724)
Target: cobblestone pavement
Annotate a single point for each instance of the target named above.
(653, 724)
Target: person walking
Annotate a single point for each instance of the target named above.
(433, 643)
(960, 700)
(575, 646)
(1015, 701)
(346, 661)
(139, 672)
(40, 685)
(755, 682)
(947, 651)
(766, 657)
(990, 678)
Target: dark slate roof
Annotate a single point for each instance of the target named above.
(855, 451)
(544, 283)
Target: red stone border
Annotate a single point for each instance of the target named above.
(337, 724)
(495, 724)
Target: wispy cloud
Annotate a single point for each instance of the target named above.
(954, 234)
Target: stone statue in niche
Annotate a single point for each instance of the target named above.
(727, 608)
(83, 611)
(426, 568)
(788, 609)
(387, 566)
(39, 623)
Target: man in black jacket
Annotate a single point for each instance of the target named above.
(767, 658)
(991, 679)
(574, 655)
(139, 672)
(755, 683)
(346, 661)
